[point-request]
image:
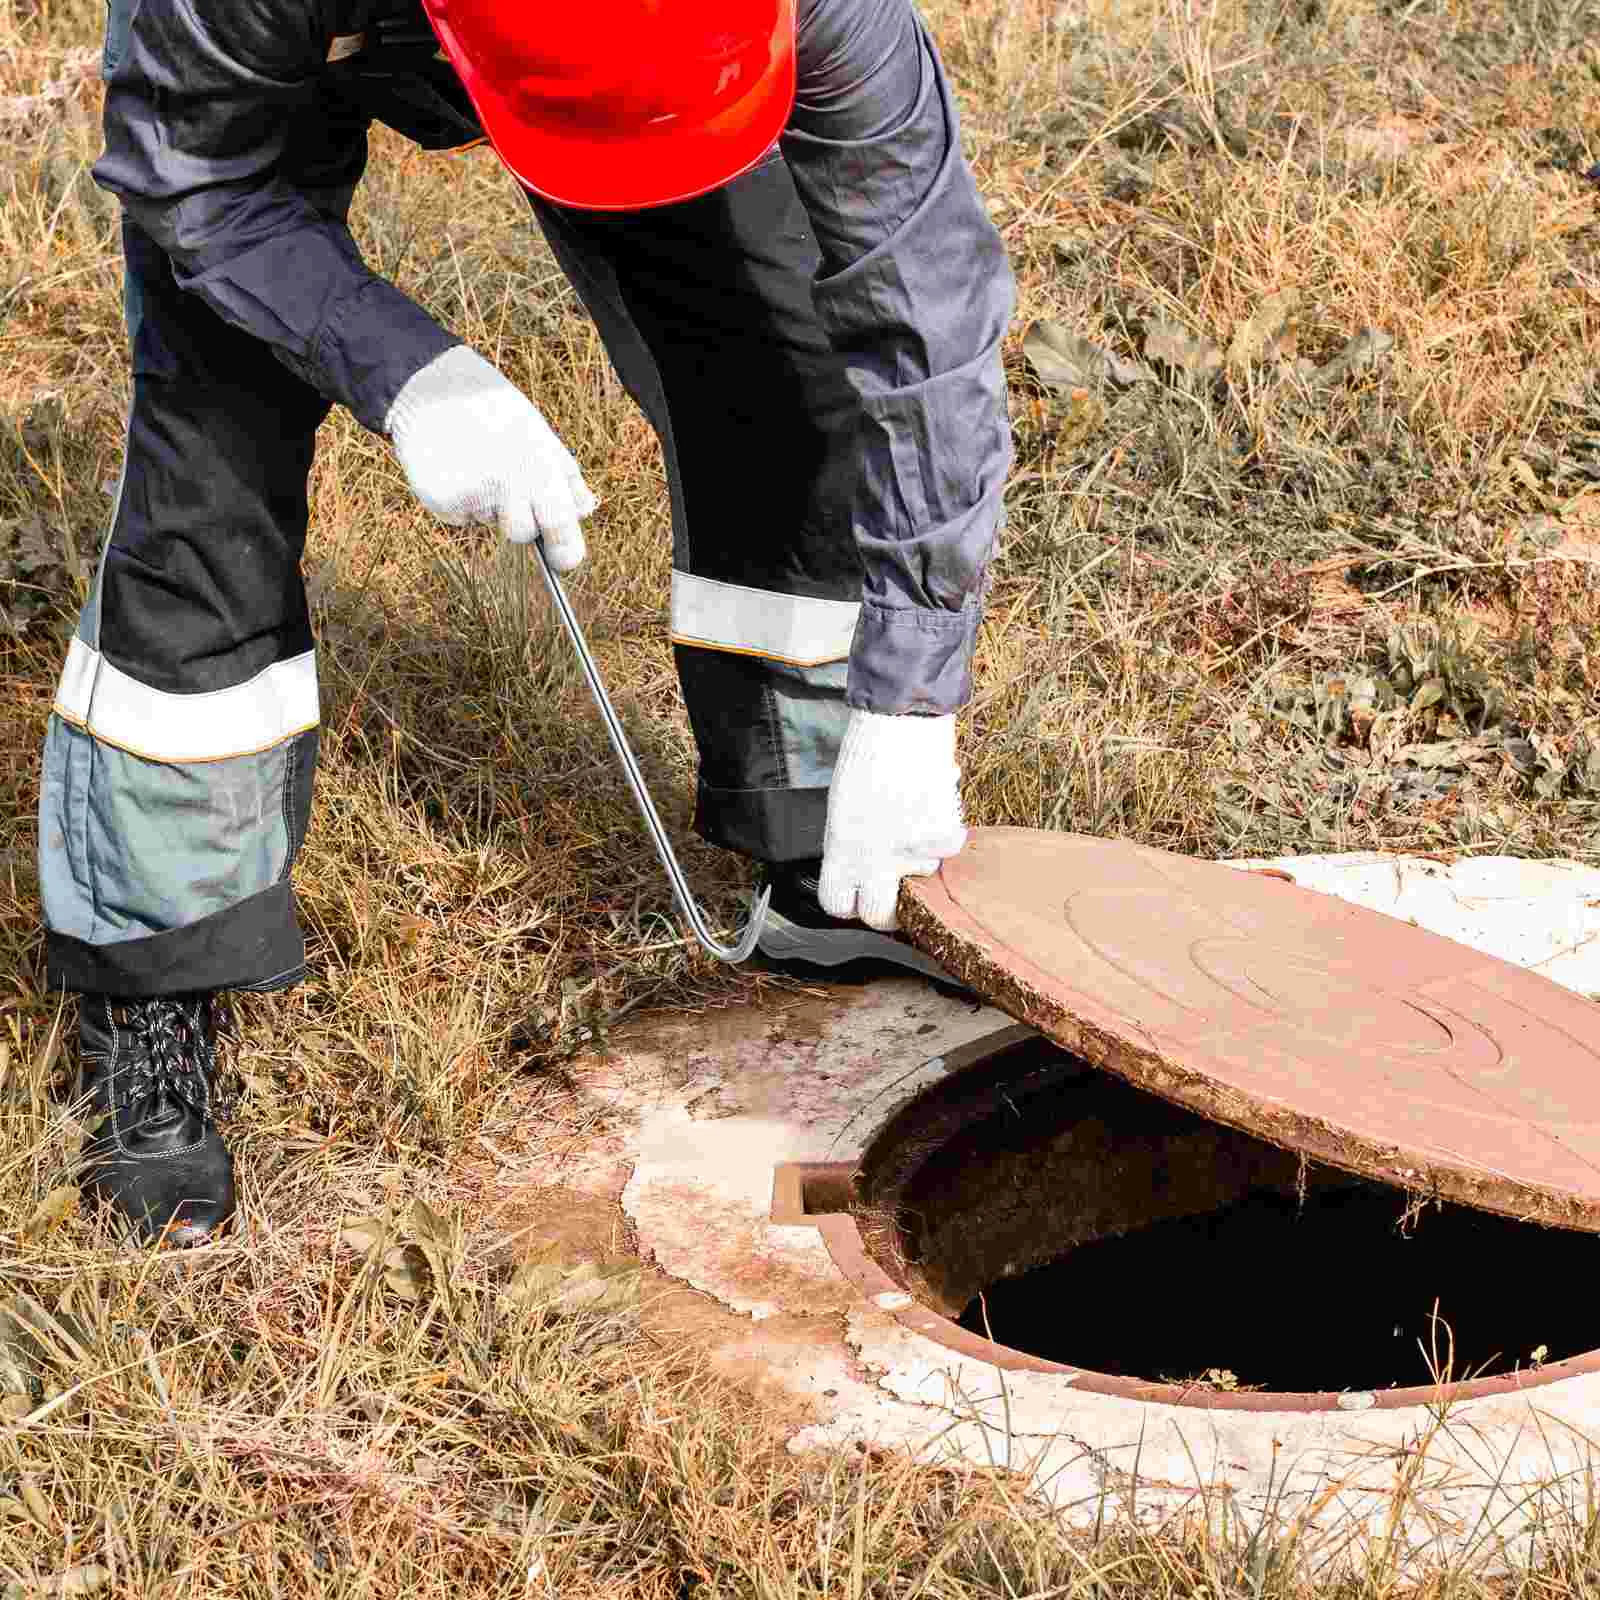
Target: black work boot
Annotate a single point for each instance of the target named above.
(799, 933)
(148, 1069)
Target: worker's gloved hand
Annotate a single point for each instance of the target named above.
(894, 811)
(475, 449)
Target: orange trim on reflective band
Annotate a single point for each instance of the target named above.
(759, 655)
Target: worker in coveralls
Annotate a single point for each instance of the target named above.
(764, 207)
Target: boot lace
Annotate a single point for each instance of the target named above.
(174, 1054)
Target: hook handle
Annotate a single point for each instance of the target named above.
(687, 904)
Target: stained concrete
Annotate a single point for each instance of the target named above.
(700, 1111)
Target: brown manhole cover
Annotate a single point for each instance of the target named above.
(1349, 1037)
(1084, 1225)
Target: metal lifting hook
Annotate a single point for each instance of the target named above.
(658, 834)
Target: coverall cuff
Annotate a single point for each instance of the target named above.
(377, 340)
(773, 825)
(911, 660)
(256, 944)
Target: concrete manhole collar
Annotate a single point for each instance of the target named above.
(1024, 1160)
(731, 1142)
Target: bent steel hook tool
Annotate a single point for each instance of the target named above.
(658, 834)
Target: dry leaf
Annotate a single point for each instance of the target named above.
(15, 1372)
(90, 1578)
(1358, 355)
(411, 1267)
(1429, 694)
(26, 1323)
(53, 1210)
(1063, 361)
(1459, 754)
(547, 1283)
(365, 1234)
(1174, 346)
(426, 1224)
(534, 1282)
(33, 1498)
(407, 1272)
(599, 1289)
(615, 1289)
(1268, 333)
(432, 1234)
(406, 929)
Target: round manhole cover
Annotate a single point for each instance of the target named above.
(1355, 1038)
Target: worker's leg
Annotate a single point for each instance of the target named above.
(705, 309)
(179, 757)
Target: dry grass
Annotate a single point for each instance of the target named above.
(1196, 571)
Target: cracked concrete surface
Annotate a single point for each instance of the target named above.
(703, 1109)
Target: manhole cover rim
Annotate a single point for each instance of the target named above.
(945, 929)
(880, 1288)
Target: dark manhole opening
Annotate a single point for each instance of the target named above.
(1059, 1211)
(1336, 1294)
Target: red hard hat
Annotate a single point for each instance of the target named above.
(619, 104)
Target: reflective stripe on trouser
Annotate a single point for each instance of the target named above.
(179, 759)
(705, 310)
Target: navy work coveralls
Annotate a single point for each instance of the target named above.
(816, 345)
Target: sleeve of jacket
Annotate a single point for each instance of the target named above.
(915, 291)
(202, 103)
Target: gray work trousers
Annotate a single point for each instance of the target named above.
(180, 757)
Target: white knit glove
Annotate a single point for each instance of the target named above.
(474, 448)
(894, 811)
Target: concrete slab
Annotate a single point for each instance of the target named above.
(1542, 915)
(701, 1112)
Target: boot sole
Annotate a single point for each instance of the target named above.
(783, 940)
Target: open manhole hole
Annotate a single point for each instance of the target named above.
(1035, 1201)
